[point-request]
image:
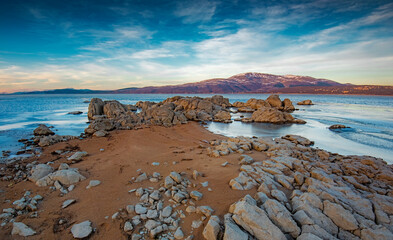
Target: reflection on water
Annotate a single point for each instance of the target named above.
(370, 119)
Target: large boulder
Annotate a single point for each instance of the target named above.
(113, 109)
(272, 115)
(39, 171)
(43, 130)
(232, 230)
(340, 216)
(274, 101)
(222, 116)
(96, 107)
(65, 177)
(287, 105)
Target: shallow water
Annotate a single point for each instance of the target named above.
(370, 119)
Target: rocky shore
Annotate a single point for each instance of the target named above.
(161, 178)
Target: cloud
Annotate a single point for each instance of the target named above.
(196, 11)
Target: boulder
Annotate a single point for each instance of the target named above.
(255, 221)
(39, 171)
(210, 232)
(272, 115)
(287, 105)
(274, 101)
(65, 177)
(337, 126)
(232, 230)
(81, 230)
(113, 109)
(281, 217)
(96, 107)
(77, 156)
(222, 116)
(305, 102)
(43, 130)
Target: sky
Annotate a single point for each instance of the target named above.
(101, 44)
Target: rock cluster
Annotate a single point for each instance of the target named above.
(23, 206)
(151, 217)
(306, 193)
(305, 102)
(109, 115)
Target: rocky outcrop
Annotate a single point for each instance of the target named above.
(307, 193)
(337, 126)
(272, 115)
(43, 130)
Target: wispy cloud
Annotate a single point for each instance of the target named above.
(196, 11)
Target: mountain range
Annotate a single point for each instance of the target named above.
(244, 83)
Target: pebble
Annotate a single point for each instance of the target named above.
(128, 227)
(68, 202)
(205, 184)
(155, 164)
(179, 233)
(93, 183)
(224, 164)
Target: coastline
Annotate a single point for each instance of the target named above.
(189, 145)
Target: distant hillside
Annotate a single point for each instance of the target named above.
(241, 83)
(244, 83)
(65, 91)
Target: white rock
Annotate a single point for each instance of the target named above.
(81, 230)
(93, 183)
(128, 227)
(68, 202)
(21, 229)
(77, 156)
(39, 171)
(179, 233)
(212, 228)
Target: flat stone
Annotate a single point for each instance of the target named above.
(81, 230)
(77, 156)
(68, 202)
(196, 195)
(93, 183)
(178, 233)
(176, 177)
(210, 232)
(139, 209)
(22, 229)
(166, 212)
(340, 216)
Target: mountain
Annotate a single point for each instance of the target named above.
(64, 91)
(244, 83)
(241, 83)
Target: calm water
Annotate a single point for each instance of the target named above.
(370, 119)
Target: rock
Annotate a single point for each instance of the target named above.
(152, 214)
(168, 182)
(205, 210)
(222, 116)
(340, 216)
(151, 224)
(178, 197)
(43, 130)
(130, 209)
(317, 231)
(166, 212)
(302, 218)
(68, 202)
(93, 183)
(113, 109)
(308, 236)
(274, 101)
(305, 102)
(196, 195)
(279, 195)
(281, 217)
(272, 115)
(176, 177)
(39, 171)
(245, 159)
(255, 221)
(75, 113)
(141, 178)
(96, 107)
(128, 226)
(287, 105)
(178, 233)
(77, 156)
(100, 133)
(65, 177)
(210, 232)
(232, 230)
(21, 229)
(196, 224)
(380, 233)
(139, 209)
(338, 126)
(81, 230)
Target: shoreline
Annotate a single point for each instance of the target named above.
(191, 146)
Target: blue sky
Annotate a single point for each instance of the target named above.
(97, 44)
